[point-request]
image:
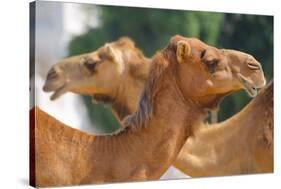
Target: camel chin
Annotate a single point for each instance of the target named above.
(59, 92)
(248, 86)
(55, 84)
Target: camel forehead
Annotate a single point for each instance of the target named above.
(212, 52)
(122, 43)
(199, 45)
(118, 56)
(241, 54)
(101, 53)
(114, 45)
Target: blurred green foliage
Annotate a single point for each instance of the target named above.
(151, 29)
(254, 35)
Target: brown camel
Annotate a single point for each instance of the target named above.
(192, 163)
(180, 87)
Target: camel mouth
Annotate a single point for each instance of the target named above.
(252, 91)
(47, 87)
(249, 87)
(59, 92)
(55, 83)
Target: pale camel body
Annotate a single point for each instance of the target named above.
(242, 144)
(154, 134)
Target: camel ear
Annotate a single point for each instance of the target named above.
(116, 57)
(112, 54)
(183, 50)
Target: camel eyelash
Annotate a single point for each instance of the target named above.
(211, 62)
(203, 53)
(211, 65)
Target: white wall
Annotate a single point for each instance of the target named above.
(56, 23)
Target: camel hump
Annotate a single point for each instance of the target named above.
(267, 93)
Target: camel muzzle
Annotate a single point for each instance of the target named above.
(249, 86)
(55, 82)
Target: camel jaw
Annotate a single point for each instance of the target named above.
(58, 92)
(248, 86)
(55, 84)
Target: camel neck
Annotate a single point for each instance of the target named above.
(144, 152)
(207, 151)
(124, 98)
(235, 124)
(127, 94)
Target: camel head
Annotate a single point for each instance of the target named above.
(207, 73)
(98, 72)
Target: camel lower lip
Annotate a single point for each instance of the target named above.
(53, 85)
(250, 89)
(58, 92)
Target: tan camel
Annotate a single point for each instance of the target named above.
(179, 89)
(196, 163)
(114, 73)
(242, 144)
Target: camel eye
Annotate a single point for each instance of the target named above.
(211, 65)
(211, 62)
(203, 53)
(90, 65)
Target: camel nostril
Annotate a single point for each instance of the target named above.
(55, 79)
(253, 65)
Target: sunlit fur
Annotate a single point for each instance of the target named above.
(243, 144)
(134, 154)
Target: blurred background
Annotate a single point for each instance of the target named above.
(151, 29)
(65, 29)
